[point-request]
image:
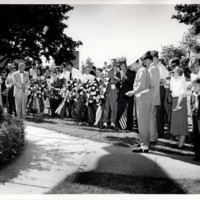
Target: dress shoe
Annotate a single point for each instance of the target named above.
(112, 126)
(104, 125)
(140, 149)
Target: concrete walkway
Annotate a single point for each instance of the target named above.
(50, 156)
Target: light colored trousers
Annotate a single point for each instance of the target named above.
(20, 103)
(143, 106)
(153, 124)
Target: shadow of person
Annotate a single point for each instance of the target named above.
(122, 171)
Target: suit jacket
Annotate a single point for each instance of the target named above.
(142, 81)
(155, 79)
(127, 84)
(195, 105)
(18, 84)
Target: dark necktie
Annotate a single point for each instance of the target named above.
(70, 75)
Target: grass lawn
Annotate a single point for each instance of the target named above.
(69, 127)
(103, 183)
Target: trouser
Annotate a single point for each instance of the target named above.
(20, 103)
(11, 101)
(111, 106)
(196, 135)
(161, 113)
(153, 124)
(143, 105)
(54, 103)
(126, 103)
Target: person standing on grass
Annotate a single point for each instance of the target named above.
(10, 86)
(195, 110)
(125, 103)
(111, 103)
(161, 113)
(155, 90)
(144, 99)
(179, 121)
(21, 82)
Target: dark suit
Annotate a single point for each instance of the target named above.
(124, 101)
(196, 125)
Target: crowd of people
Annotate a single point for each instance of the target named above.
(149, 92)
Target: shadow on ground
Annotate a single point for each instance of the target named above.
(118, 172)
(40, 120)
(117, 183)
(36, 157)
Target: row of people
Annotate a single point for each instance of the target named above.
(146, 81)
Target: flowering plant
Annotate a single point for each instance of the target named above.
(93, 92)
(38, 88)
(70, 90)
(56, 87)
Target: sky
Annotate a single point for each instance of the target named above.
(110, 31)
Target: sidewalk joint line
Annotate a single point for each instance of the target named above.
(24, 184)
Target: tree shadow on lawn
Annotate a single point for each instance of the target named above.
(39, 158)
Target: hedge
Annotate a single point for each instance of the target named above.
(12, 137)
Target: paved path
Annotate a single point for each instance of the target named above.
(50, 156)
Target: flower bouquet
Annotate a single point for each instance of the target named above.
(38, 90)
(56, 94)
(68, 93)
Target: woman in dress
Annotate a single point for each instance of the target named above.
(179, 121)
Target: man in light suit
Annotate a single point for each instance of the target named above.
(21, 82)
(143, 97)
(155, 91)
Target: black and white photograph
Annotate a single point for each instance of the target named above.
(100, 97)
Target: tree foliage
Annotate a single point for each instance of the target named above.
(171, 51)
(190, 42)
(188, 14)
(35, 30)
(89, 62)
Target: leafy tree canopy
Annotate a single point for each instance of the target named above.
(171, 51)
(188, 14)
(35, 30)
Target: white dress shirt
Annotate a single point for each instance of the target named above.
(64, 75)
(22, 77)
(32, 72)
(178, 86)
(9, 80)
(86, 77)
(163, 71)
(194, 76)
(75, 74)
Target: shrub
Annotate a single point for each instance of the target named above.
(12, 137)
